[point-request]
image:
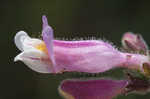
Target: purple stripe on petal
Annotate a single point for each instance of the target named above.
(77, 44)
(92, 89)
(47, 34)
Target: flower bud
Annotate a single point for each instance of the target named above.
(92, 89)
(134, 42)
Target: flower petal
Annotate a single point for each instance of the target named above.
(47, 34)
(24, 42)
(92, 89)
(19, 38)
(36, 60)
(92, 57)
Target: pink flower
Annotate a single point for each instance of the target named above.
(56, 56)
(92, 89)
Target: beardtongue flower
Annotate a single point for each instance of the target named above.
(134, 42)
(56, 56)
(92, 89)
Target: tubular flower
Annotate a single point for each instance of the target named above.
(92, 89)
(56, 56)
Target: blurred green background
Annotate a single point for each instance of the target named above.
(105, 19)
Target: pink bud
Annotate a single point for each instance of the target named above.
(92, 89)
(134, 42)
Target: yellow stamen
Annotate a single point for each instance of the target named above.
(41, 47)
